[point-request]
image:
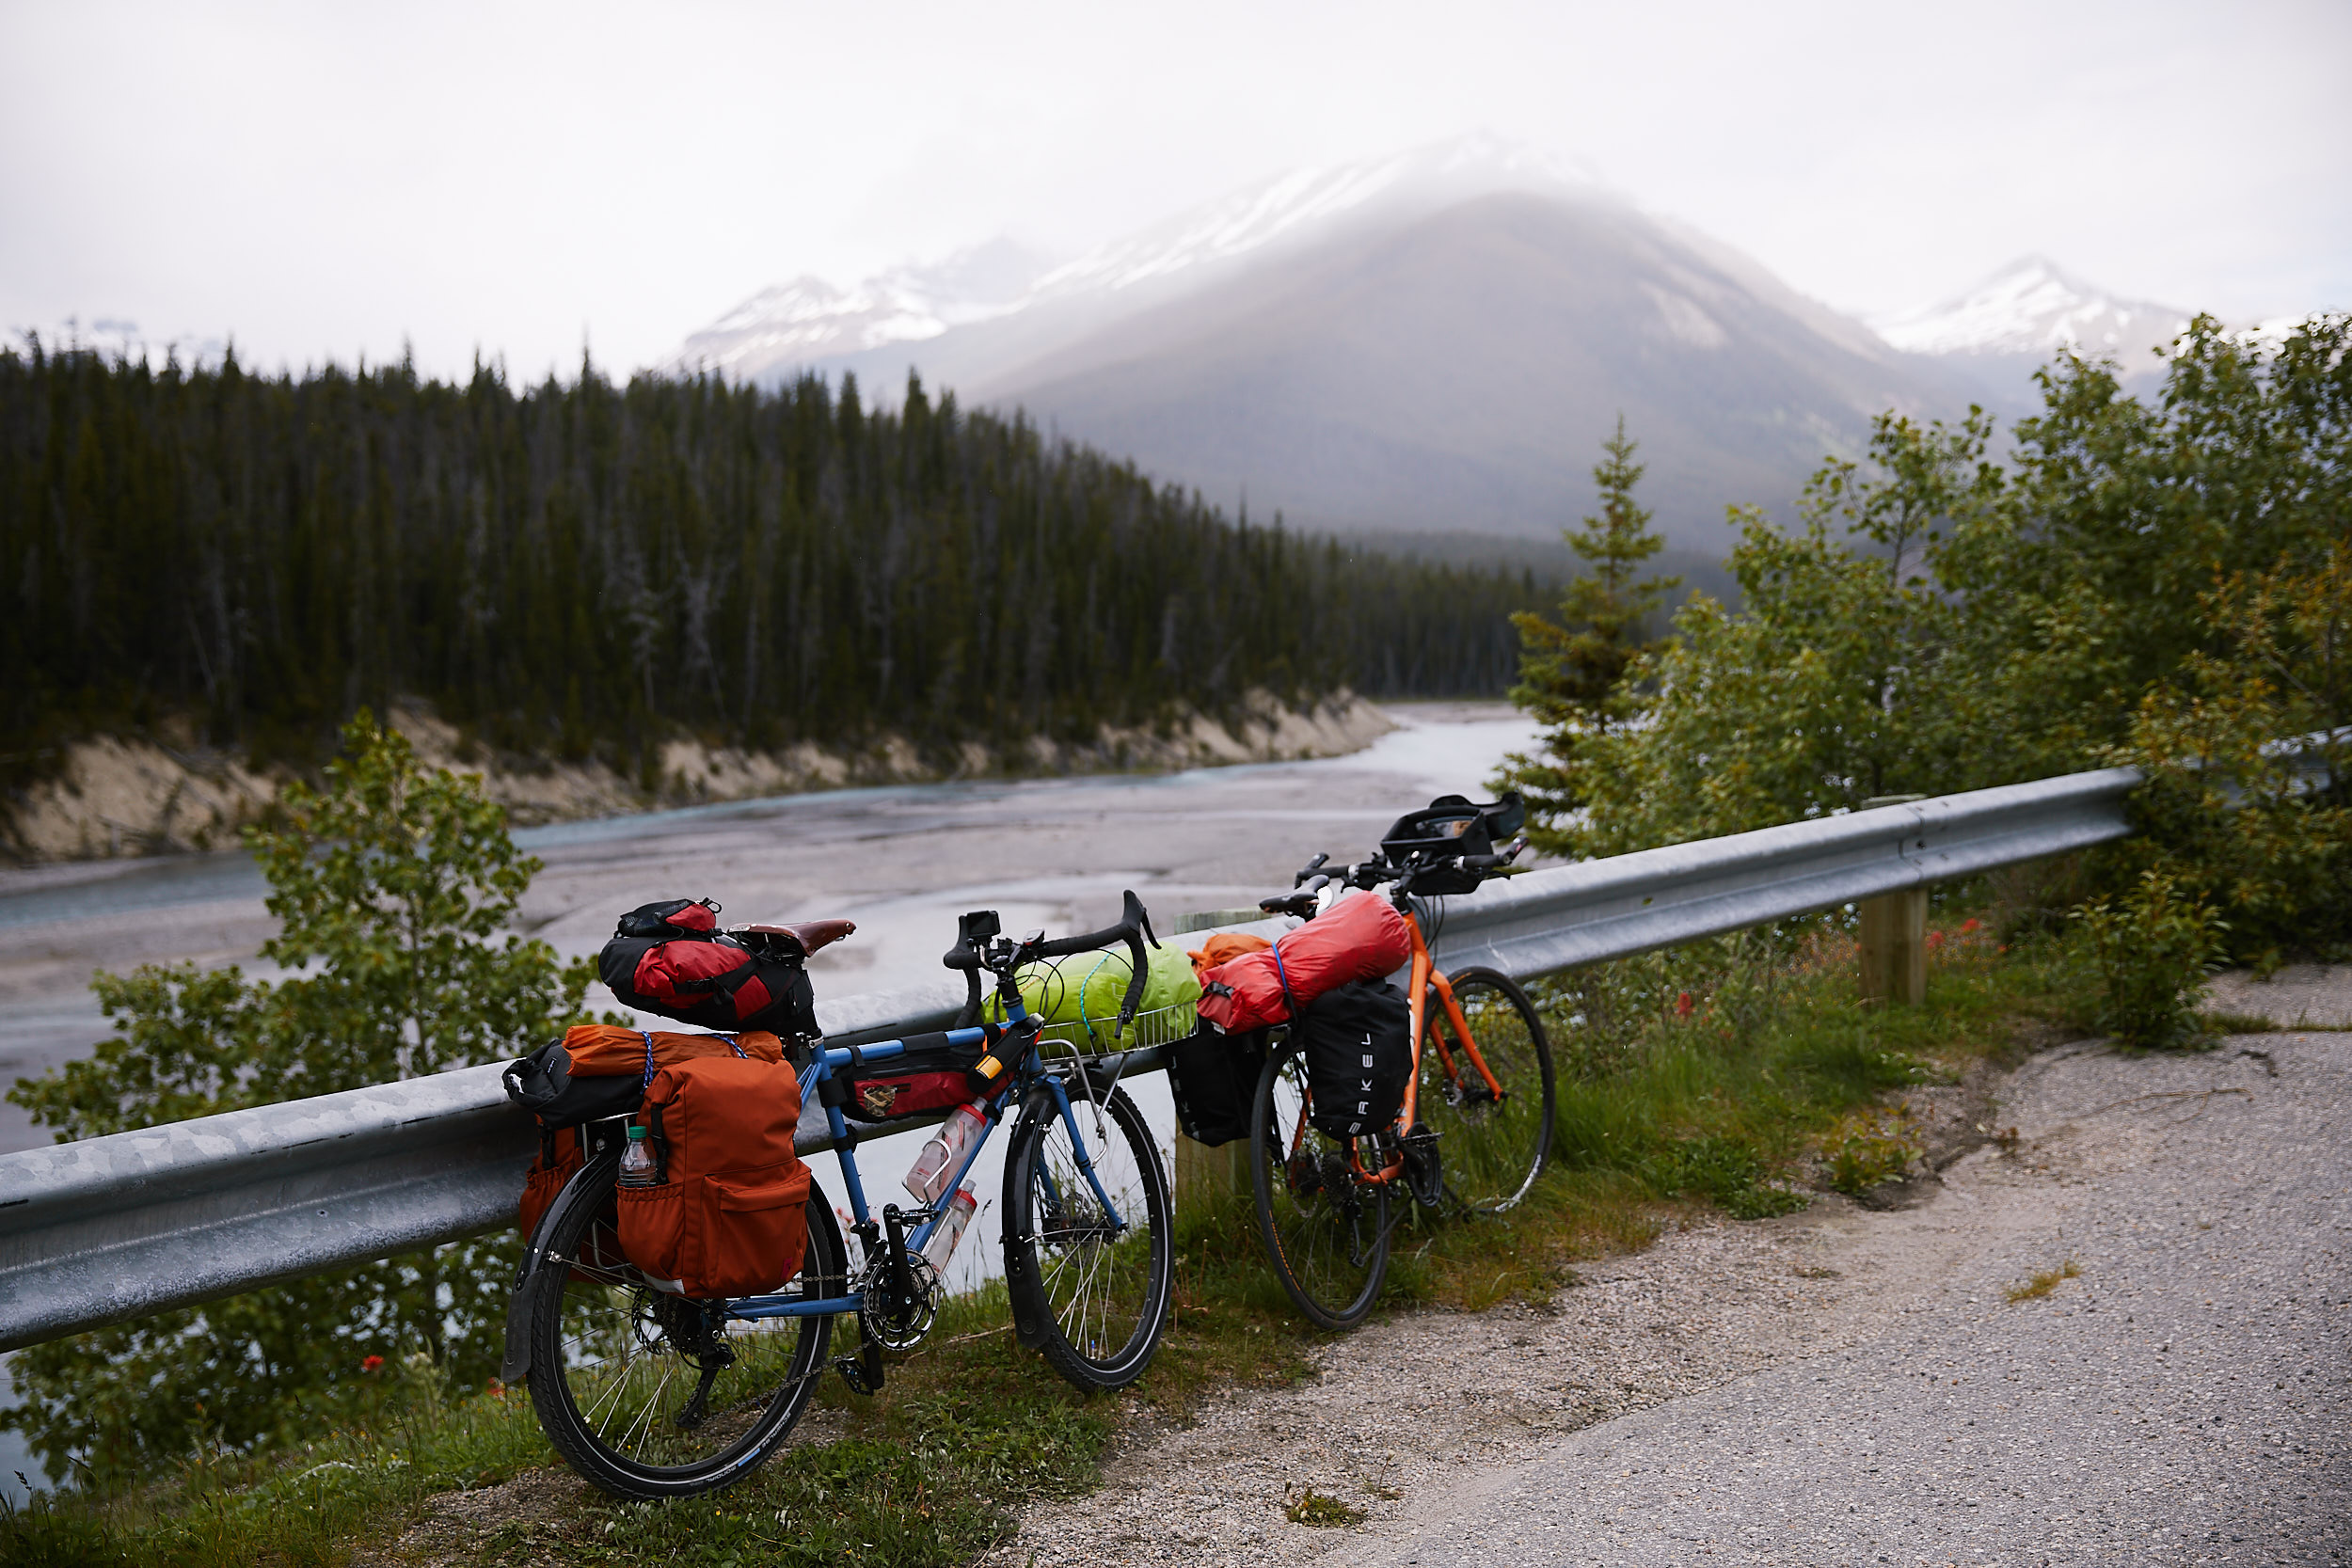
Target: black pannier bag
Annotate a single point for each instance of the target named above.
(1451, 825)
(1357, 1043)
(671, 959)
(1214, 1077)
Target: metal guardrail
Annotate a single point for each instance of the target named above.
(111, 1228)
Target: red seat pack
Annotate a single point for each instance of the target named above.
(1359, 938)
(670, 957)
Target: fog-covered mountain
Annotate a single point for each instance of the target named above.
(1433, 344)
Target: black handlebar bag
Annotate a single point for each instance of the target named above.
(1452, 825)
(1357, 1043)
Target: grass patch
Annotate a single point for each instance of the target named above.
(1729, 1077)
(2043, 1283)
(1311, 1507)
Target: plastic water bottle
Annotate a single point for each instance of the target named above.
(942, 1246)
(943, 1155)
(637, 1163)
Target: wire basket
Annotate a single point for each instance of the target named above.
(1094, 1037)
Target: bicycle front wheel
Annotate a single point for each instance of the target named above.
(649, 1395)
(1493, 1148)
(1090, 1260)
(1325, 1234)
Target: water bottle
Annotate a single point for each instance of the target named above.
(637, 1163)
(943, 1155)
(942, 1246)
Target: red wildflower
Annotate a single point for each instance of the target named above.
(1968, 925)
(1936, 940)
(371, 1363)
(1684, 1005)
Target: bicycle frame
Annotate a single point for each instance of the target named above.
(1425, 979)
(834, 1059)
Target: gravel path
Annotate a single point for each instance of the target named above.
(1845, 1385)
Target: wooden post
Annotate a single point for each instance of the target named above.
(1894, 935)
(1204, 1173)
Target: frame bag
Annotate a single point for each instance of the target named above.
(727, 1213)
(1357, 1043)
(931, 1077)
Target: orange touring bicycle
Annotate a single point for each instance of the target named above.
(1476, 1125)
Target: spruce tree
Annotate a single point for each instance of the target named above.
(1572, 670)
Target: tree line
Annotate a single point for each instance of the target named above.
(587, 568)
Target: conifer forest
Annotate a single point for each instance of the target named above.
(587, 568)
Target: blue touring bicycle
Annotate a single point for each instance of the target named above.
(647, 1394)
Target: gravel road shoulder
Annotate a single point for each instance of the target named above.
(1853, 1385)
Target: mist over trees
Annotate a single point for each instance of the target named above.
(589, 568)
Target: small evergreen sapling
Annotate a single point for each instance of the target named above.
(1572, 670)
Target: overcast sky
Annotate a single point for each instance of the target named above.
(325, 181)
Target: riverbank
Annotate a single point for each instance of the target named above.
(122, 797)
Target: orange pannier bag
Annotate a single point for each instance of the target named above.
(603, 1051)
(728, 1215)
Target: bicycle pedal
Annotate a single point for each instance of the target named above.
(853, 1373)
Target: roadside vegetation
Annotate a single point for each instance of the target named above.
(2163, 584)
(1724, 1078)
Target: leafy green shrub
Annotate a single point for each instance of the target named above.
(1871, 1152)
(2150, 954)
(394, 885)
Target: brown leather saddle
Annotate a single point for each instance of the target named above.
(807, 936)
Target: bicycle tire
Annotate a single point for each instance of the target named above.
(1091, 1298)
(1492, 1153)
(1331, 1251)
(607, 1415)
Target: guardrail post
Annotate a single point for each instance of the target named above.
(1204, 1173)
(1894, 935)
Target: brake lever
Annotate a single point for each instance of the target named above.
(1310, 867)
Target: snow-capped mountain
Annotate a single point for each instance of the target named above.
(1432, 343)
(1263, 215)
(810, 321)
(2032, 308)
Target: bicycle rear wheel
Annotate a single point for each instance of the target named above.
(1325, 1234)
(1492, 1149)
(1090, 1282)
(649, 1395)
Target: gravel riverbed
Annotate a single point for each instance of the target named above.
(1855, 1385)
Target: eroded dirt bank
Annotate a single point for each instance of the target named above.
(115, 796)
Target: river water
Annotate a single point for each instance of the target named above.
(901, 862)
